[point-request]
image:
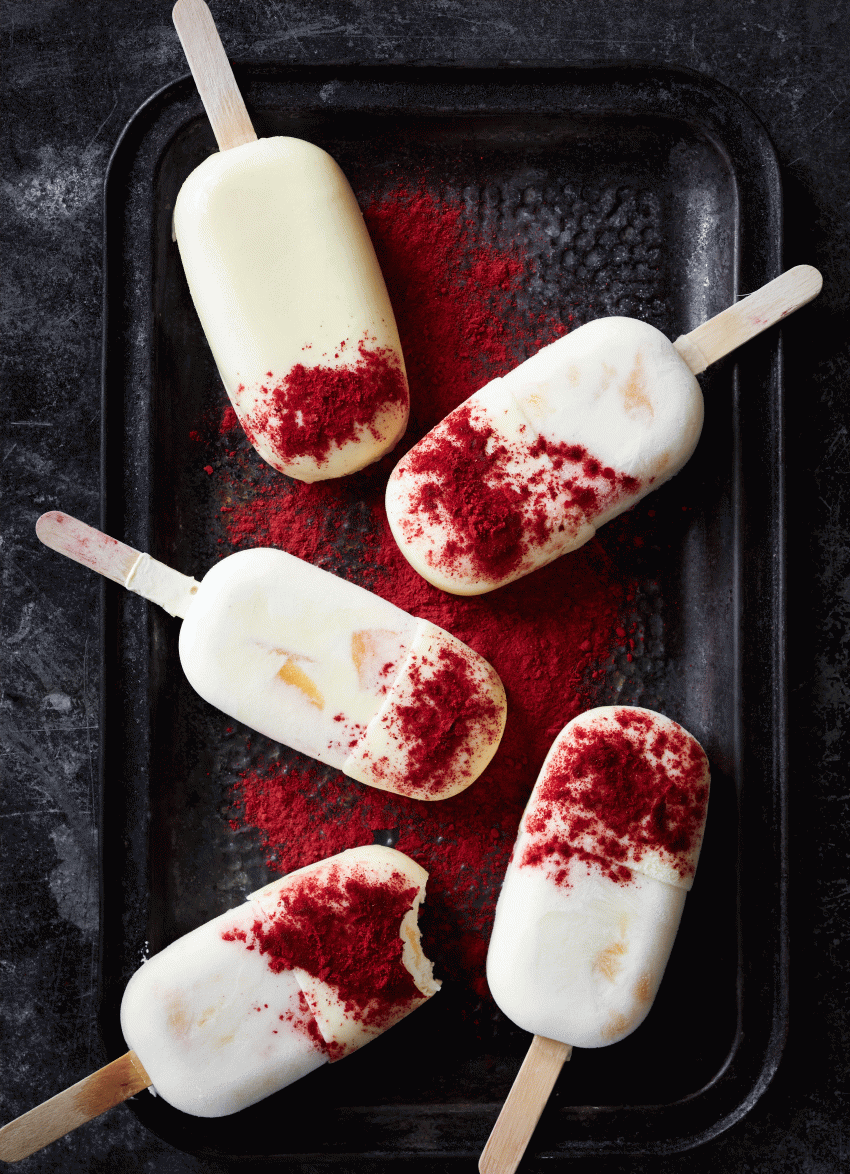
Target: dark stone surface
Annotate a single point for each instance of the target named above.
(74, 74)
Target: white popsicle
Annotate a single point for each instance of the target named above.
(606, 852)
(530, 466)
(318, 663)
(287, 286)
(261, 995)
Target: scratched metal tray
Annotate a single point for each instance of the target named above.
(707, 178)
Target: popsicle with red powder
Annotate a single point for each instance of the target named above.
(606, 853)
(317, 663)
(312, 967)
(529, 467)
(286, 285)
(306, 971)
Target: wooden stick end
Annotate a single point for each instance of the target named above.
(46, 1123)
(187, 9)
(809, 282)
(524, 1106)
(48, 523)
(229, 118)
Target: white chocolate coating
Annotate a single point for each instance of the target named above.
(205, 1019)
(583, 931)
(282, 272)
(581, 964)
(615, 390)
(620, 388)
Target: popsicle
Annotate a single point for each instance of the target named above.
(286, 284)
(529, 467)
(317, 663)
(307, 970)
(606, 853)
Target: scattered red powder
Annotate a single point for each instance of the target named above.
(551, 636)
(488, 517)
(342, 929)
(300, 1019)
(454, 300)
(621, 790)
(592, 486)
(312, 410)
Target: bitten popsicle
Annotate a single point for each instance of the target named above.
(606, 853)
(286, 284)
(317, 663)
(307, 970)
(529, 467)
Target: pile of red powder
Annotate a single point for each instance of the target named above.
(551, 636)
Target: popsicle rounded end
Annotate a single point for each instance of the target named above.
(46, 522)
(442, 685)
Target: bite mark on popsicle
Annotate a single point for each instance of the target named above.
(324, 927)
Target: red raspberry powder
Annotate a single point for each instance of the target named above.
(449, 709)
(495, 518)
(343, 930)
(313, 409)
(609, 783)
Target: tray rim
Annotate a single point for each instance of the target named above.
(632, 73)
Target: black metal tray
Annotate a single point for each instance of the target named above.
(431, 1088)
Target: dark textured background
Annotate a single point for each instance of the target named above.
(74, 74)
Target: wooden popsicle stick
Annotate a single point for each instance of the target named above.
(88, 546)
(81, 1102)
(213, 76)
(753, 314)
(114, 560)
(524, 1105)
